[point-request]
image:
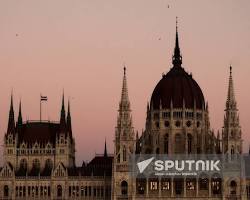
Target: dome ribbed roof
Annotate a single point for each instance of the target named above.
(177, 85)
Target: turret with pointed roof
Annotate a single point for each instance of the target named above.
(231, 138)
(11, 123)
(231, 102)
(20, 118)
(124, 137)
(69, 127)
(124, 121)
(62, 117)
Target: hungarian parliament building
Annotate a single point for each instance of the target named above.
(39, 156)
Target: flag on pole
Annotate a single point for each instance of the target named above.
(44, 98)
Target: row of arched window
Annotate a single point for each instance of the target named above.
(178, 114)
(35, 164)
(88, 191)
(85, 191)
(35, 151)
(177, 184)
(33, 191)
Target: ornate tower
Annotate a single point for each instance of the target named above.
(177, 119)
(65, 145)
(231, 133)
(10, 138)
(124, 146)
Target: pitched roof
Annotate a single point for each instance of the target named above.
(98, 166)
(38, 131)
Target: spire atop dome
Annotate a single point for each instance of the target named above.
(177, 58)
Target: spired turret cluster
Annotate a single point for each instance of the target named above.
(32, 140)
(177, 122)
(39, 156)
(177, 117)
(39, 162)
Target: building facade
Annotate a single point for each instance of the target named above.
(39, 162)
(39, 156)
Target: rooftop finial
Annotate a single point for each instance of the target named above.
(177, 58)
(176, 24)
(124, 97)
(124, 69)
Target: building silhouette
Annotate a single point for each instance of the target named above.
(39, 156)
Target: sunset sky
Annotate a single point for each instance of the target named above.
(82, 45)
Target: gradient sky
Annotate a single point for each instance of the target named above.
(81, 46)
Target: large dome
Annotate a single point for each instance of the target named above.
(177, 86)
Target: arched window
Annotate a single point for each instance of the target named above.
(124, 153)
(124, 188)
(141, 184)
(165, 184)
(232, 150)
(59, 191)
(36, 164)
(48, 164)
(189, 143)
(118, 158)
(178, 143)
(23, 164)
(216, 185)
(190, 183)
(6, 191)
(166, 144)
(203, 183)
(153, 184)
(233, 186)
(179, 184)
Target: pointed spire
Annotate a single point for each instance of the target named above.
(231, 102)
(11, 123)
(124, 97)
(69, 118)
(177, 58)
(20, 118)
(62, 117)
(105, 150)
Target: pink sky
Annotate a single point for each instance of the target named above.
(81, 46)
